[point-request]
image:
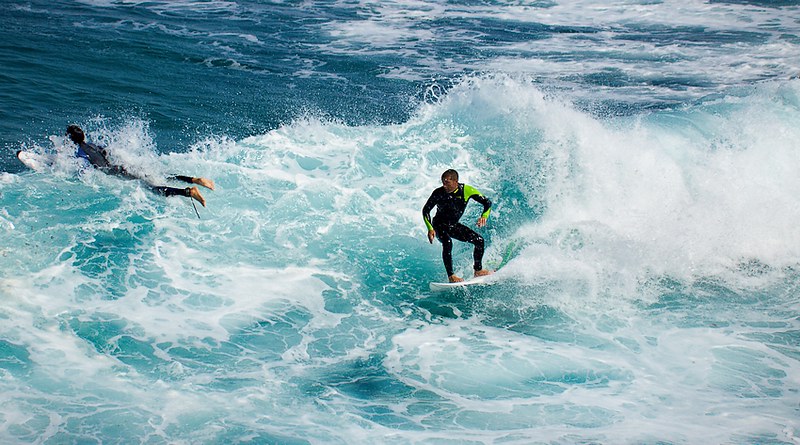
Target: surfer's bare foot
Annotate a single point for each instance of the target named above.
(482, 273)
(194, 192)
(455, 278)
(205, 182)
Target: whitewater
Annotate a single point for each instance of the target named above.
(649, 219)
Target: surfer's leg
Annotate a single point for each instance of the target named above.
(191, 192)
(467, 235)
(447, 249)
(447, 254)
(205, 182)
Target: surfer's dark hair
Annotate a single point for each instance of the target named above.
(76, 134)
(450, 174)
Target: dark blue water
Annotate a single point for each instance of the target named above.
(642, 158)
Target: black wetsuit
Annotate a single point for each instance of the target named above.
(97, 156)
(449, 209)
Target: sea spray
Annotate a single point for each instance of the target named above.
(650, 301)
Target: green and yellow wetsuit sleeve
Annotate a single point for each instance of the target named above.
(472, 192)
(426, 211)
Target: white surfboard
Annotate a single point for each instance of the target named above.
(477, 281)
(512, 250)
(35, 161)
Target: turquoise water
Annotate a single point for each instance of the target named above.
(650, 199)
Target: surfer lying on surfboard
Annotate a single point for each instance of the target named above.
(97, 156)
(450, 201)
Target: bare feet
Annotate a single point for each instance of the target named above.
(482, 273)
(205, 182)
(195, 193)
(455, 278)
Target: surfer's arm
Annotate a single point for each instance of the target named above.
(472, 192)
(426, 216)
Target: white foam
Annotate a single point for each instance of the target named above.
(496, 380)
(313, 245)
(676, 191)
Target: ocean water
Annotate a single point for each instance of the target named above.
(642, 156)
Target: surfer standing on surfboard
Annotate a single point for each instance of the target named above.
(97, 156)
(450, 201)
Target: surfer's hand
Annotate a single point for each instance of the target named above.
(431, 236)
(481, 221)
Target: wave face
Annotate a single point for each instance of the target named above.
(647, 230)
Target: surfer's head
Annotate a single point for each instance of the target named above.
(452, 174)
(450, 180)
(76, 134)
